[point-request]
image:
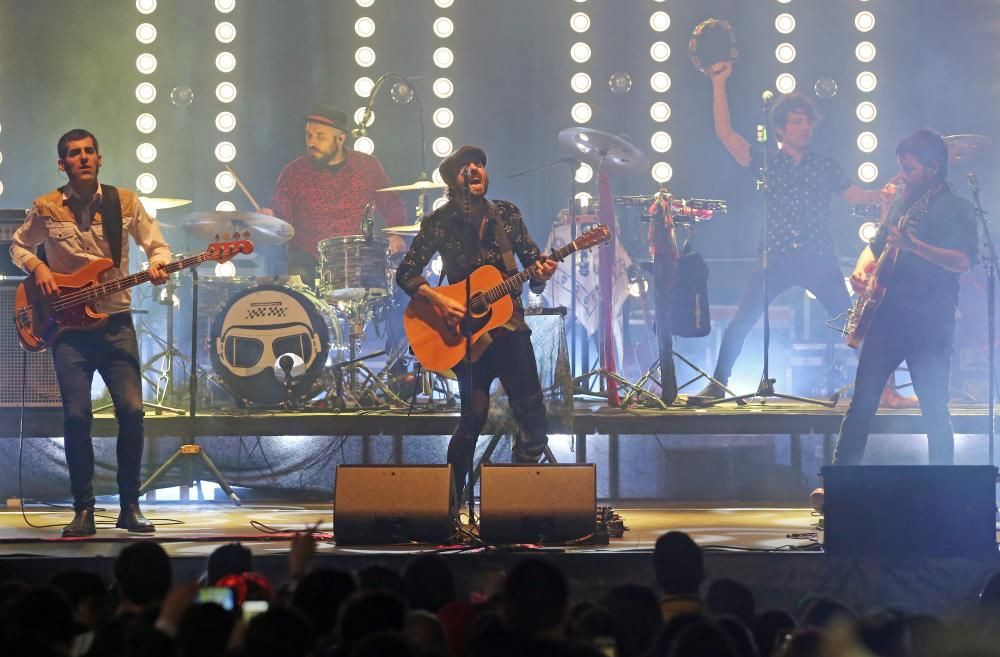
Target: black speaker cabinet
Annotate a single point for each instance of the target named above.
(929, 510)
(40, 385)
(537, 503)
(380, 504)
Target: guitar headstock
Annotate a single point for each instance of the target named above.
(596, 235)
(225, 251)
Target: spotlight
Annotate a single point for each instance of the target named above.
(784, 23)
(864, 21)
(785, 83)
(365, 3)
(660, 111)
(620, 83)
(364, 56)
(662, 172)
(443, 27)
(145, 123)
(436, 176)
(867, 172)
(145, 33)
(225, 269)
(225, 92)
(579, 52)
(580, 82)
(225, 206)
(661, 142)
(443, 88)
(785, 53)
(401, 92)
(444, 4)
(825, 88)
(443, 57)
(443, 117)
(225, 182)
(225, 151)
(225, 6)
(659, 21)
(442, 147)
(867, 142)
(865, 51)
(145, 93)
(363, 86)
(225, 121)
(225, 62)
(584, 174)
(364, 27)
(867, 232)
(580, 22)
(146, 183)
(866, 81)
(145, 152)
(866, 111)
(581, 112)
(145, 6)
(584, 198)
(225, 32)
(364, 145)
(659, 51)
(660, 82)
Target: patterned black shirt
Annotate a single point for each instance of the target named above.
(798, 201)
(445, 231)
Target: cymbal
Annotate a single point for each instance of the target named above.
(405, 231)
(603, 149)
(965, 147)
(264, 230)
(420, 185)
(152, 203)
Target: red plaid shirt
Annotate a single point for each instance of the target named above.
(322, 202)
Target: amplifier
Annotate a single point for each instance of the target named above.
(10, 220)
(41, 387)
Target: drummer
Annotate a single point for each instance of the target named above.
(324, 192)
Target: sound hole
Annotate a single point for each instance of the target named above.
(479, 304)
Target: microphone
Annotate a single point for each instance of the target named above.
(767, 96)
(465, 175)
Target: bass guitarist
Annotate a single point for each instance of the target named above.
(77, 224)
(470, 231)
(936, 237)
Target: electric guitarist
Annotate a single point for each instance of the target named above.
(78, 224)
(470, 231)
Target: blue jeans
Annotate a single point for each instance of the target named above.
(113, 352)
(926, 348)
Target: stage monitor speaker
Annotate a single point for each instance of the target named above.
(380, 504)
(537, 503)
(928, 510)
(40, 385)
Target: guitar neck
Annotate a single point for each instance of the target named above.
(515, 282)
(126, 282)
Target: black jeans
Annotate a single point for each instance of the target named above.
(819, 274)
(927, 350)
(512, 359)
(113, 352)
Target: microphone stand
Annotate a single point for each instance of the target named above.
(468, 408)
(991, 274)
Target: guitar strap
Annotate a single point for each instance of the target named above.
(111, 218)
(503, 241)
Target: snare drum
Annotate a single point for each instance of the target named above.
(259, 325)
(351, 267)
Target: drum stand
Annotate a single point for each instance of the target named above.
(356, 392)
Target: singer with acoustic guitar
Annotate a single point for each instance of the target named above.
(926, 241)
(79, 224)
(494, 232)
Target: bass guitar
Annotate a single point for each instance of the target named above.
(40, 320)
(862, 313)
(437, 346)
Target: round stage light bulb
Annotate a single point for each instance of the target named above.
(1, 187)
(867, 142)
(145, 33)
(659, 51)
(866, 111)
(145, 152)
(660, 111)
(867, 172)
(436, 177)
(443, 117)
(784, 23)
(864, 21)
(225, 6)
(145, 6)
(443, 57)
(436, 205)
(620, 83)
(363, 86)
(1, 157)
(785, 83)
(146, 183)
(442, 147)
(581, 112)
(365, 3)
(584, 173)
(145, 63)
(866, 232)
(866, 81)
(364, 27)
(364, 56)
(225, 269)
(584, 199)
(225, 62)
(865, 51)
(443, 88)
(579, 22)
(444, 4)
(443, 27)
(662, 172)
(660, 82)
(225, 121)
(225, 92)
(359, 114)
(785, 53)
(225, 206)
(364, 145)
(579, 52)
(660, 21)
(225, 151)
(661, 141)
(225, 181)
(145, 123)
(225, 32)
(145, 92)
(580, 83)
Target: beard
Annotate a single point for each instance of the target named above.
(323, 158)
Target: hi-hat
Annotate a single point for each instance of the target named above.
(264, 230)
(965, 147)
(404, 231)
(603, 149)
(420, 185)
(153, 203)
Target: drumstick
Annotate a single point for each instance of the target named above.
(246, 192)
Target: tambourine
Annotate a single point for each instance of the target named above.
(734, 51)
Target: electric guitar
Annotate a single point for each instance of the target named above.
(861, 314)
(437, 346)
(40, 320)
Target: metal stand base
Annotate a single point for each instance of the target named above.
(766, 391)
(190, 450)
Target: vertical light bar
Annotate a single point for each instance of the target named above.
(145, 94)
(580, 81)
(443, 116)
(659, 82)
(225, 64)
(865, 83)
(364, 57)
(784, 50)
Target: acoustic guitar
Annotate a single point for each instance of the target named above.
(437, 346)
(40, 320)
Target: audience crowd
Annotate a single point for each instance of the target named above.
(424, 612)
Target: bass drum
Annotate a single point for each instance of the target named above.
(261, 324)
